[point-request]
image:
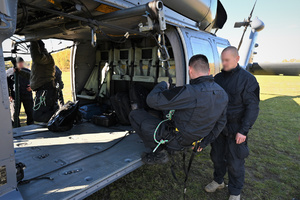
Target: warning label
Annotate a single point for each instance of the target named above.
(3, 175)
(106, 8)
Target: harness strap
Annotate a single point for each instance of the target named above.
(189, 167)
(149, 67)
(141, 68)
(186, 170)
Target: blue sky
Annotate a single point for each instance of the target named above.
(281, 37)
(278, 41)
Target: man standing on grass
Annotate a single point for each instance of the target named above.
(25, 92)
(230, 149)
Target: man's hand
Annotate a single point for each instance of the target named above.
(199, 149)
(240, 138)
(28, 88)
(10, 99)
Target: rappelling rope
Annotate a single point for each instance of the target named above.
(42, 101)
(162, 141)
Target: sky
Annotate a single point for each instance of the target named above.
(280, 38)
(278, 41)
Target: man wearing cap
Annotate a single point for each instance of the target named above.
(25, 92)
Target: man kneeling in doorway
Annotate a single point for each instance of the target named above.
(200, 113)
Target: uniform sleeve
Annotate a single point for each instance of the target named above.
(219, 126)
(42, 58)
(161, 98)
(251, 102)
(36, 55)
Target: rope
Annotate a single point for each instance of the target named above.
(41, 102)
(162, 141)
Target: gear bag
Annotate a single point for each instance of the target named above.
(138, 95)
(121, 104)
(65, 117)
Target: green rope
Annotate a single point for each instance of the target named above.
(162, 141)
(41, 102)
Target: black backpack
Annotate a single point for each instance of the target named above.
(65, 117)
(121, 104)
(138, 95)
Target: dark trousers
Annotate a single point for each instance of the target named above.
(145, 124)
(227, 155)
(28, 105)
(45, 104)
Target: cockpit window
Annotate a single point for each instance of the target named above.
(201, 46)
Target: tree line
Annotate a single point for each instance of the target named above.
(61, 58)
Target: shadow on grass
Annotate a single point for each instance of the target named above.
(272, 169)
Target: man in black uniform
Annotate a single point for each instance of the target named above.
(25, 92)
(59, 84)
(230, 149)
(200, 112)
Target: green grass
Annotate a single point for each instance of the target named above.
(272, 169)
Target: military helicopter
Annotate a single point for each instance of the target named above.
(116, 43)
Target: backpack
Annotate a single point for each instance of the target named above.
(121, 104)
(138, 95)
(65, 117)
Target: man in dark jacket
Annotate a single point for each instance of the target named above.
(59, 84)
(230, 149)
(25, 92)
(200, 112)
(42, 78)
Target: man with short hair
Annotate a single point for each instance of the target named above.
(230, 149)
(200, 112)
(25, 92)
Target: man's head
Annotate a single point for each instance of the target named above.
(198, 66)
(20, 62)
(230, 58)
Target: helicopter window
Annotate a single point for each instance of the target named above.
(201, 46)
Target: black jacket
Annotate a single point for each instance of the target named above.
(243, 92)
(200, 108)
(23, 84)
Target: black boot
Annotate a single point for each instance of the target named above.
(155, 158)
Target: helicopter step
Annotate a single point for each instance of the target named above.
(77, 163)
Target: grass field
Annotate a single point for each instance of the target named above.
(272, 169)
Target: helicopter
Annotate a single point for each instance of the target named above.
(115, 43)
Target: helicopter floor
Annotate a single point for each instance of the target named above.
(79, 162)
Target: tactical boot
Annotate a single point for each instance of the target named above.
(233, 197)
(213, 186)
(155, 158)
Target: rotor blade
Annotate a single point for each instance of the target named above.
(241, 41)
(240, 24)
(250, 16)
